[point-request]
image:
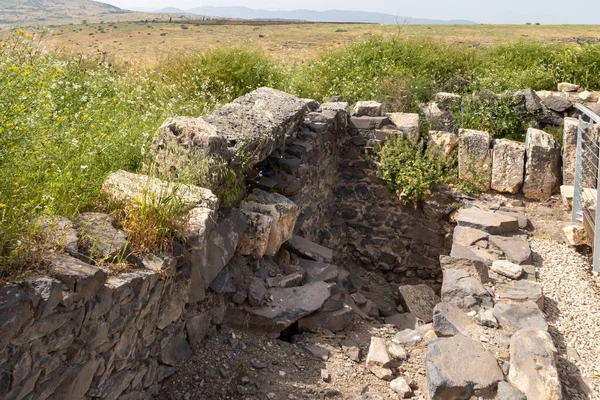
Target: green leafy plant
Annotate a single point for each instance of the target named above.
(412, 172)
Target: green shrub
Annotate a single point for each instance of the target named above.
(410, 171)
(497, 115)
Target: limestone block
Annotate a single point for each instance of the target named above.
(508, 166)
(474, 158)
(542, 173)
(567, 87)
(407, 123)
(517, 316)
(378, 360)
(442, 143)
(367, 108)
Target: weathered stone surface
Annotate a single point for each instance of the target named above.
(567, 87)
(316, 271)
(520, 291)
(368, 123)
(334, 321)
(474, 158)
(419, 300)
(587, 96)
(464, 253)
(59, 233)
(442, 143)
(542, 174)
(407, 123)
(569, 152)
(77, 383)
(132, 188)
(447, 100)
(401, 387)
(449, 320)
(492, 223)
(351, 349)
(197, 328)
(307, 249)
(318, 352)
(533, 365)
(506, 391)
(507, 269)
(50, 292)
(466, 236)
(41, 328)
(265, 236)
(367, 108)
(378, 361)
(508, 166)
(256, 292)
(221, 245)
(79, 277)
(525, 315)
(408, 338)
(404, 321)
(286, 307)
(465, 291)
(258, 122)
(576, 235)
(397, 352)
(557, 103)
(522, 218)
(453, 373)
(475, 268)
(176, 351)
(223, 283)
(516, 248)
(531, 101)
(98, 237)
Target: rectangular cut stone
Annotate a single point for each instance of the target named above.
(407, 123)
(542, 174)
(259, 121)
(79, 277)
(305, 248)
(368, 123)
(490, 222)
(508, 166)
(474, 158)
(367, 108)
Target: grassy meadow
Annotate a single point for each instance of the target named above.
(70, 116)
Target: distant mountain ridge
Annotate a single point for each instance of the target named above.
(30, 11)
(310, 15)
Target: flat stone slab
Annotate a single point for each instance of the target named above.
(515, 248)
(521, 291)
(450, 320)
(286, 307)
(316, 271)
(533, 365)
(307, 249)
(493, 223)
(98, 237)
(459, 367)
(478, 269)
(79, 277)
(419, 300)
(378, 361)
(507, 269)
(525, 315)
(367, 108)
(465, 291)
(334, 321)
(466, 236)
(404, 321)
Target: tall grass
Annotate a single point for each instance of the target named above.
(68, 121)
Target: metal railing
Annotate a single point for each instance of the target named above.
(587, 177)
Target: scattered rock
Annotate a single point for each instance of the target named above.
(449, 320)
(419, 300)
(256, 292)
(520, 291)
(404, 321)
(408, 124)
(325, 376)
(507, 269)
(450, 374)
(351, 349)
(307, 249)
(485, 317)
(557, 103)
(318, 351)
(401, 387)
(567, 87)
(333, 321)
(286, 281)
(576, 235)
(397, 352)
(533, 365)
(317, 271)
(378, 360)
(442, 143)
(408, 338)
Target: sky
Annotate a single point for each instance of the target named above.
(481, 11)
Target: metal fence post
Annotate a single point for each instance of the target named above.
(577, 213)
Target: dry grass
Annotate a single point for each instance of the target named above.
(146, 44)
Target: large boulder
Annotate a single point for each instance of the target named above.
(474, 158)
(542, 173)
(419, 300)
(459, 368)
(508, 166)
(533, 359)
(465, 291)
(557, 103)
(271, 220)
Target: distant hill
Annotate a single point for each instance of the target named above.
(313, 16)
(35, 11)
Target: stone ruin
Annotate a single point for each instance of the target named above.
(296, 253)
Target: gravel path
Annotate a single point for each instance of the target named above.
(573, 311)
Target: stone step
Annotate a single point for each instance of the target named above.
(307, 249)
(493, 223)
